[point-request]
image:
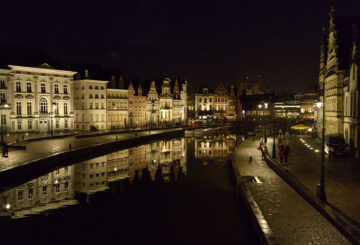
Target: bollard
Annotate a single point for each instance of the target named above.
(250, 159)
(69, 147)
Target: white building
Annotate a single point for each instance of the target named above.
(41, 99)
(90, 104)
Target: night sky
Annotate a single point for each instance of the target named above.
(207, 42)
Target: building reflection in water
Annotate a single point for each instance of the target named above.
(51, 191)
(64, 186)
(58, 188)
(217, 148)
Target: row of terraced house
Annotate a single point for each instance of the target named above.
(46, 100)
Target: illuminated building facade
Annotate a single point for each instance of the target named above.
(339, 61)
(36, 99)
(117, 108)
(90, 104)
(204, 104)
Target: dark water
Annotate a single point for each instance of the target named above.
(178, 191)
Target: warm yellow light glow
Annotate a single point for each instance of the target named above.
(319, 104)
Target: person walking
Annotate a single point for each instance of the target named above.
(281, 153)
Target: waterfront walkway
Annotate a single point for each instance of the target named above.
(41, 149)
(291, 219)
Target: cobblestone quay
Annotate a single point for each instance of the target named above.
(291, 219)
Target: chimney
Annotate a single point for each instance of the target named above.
(86, 73)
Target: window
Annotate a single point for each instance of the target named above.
(18, 108)
(66, 186)
(102, 87)
(29, 124)
(66, 124)
(30, 193)
(43, 90)
(18, 86)
(2, 98)
(19, 125)
(57, 188)
(56, 88)
(90, 105)
(82, 96)
(28, 87)
(91, 176)
(57, 124)
(90, 87)
(210, 100)
(90, 96)
(65, 89)
(102, 106)
(96, 96)
(20, 195)
(199, 99)
(96, 105)
(44, 189)
(29, 107)
(43, 106)
(2, 84)
(56, 105)
(96, 88)
(102, 96)
(65, 108)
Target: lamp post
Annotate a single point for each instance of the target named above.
(321, 193)
(265, 107)
(2, 126)
(151, 115)
(274, 147)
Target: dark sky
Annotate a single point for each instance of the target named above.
(205, 41)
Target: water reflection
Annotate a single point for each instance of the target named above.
(161, 161)
(218, 148)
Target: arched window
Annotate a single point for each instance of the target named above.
(43, 106)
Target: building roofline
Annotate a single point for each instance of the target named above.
(41, 70)
(91, 81)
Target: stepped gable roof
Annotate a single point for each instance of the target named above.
(344, 38)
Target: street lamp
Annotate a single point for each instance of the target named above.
(321, 193)
(2, 126)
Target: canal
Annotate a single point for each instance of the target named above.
(178, 191)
